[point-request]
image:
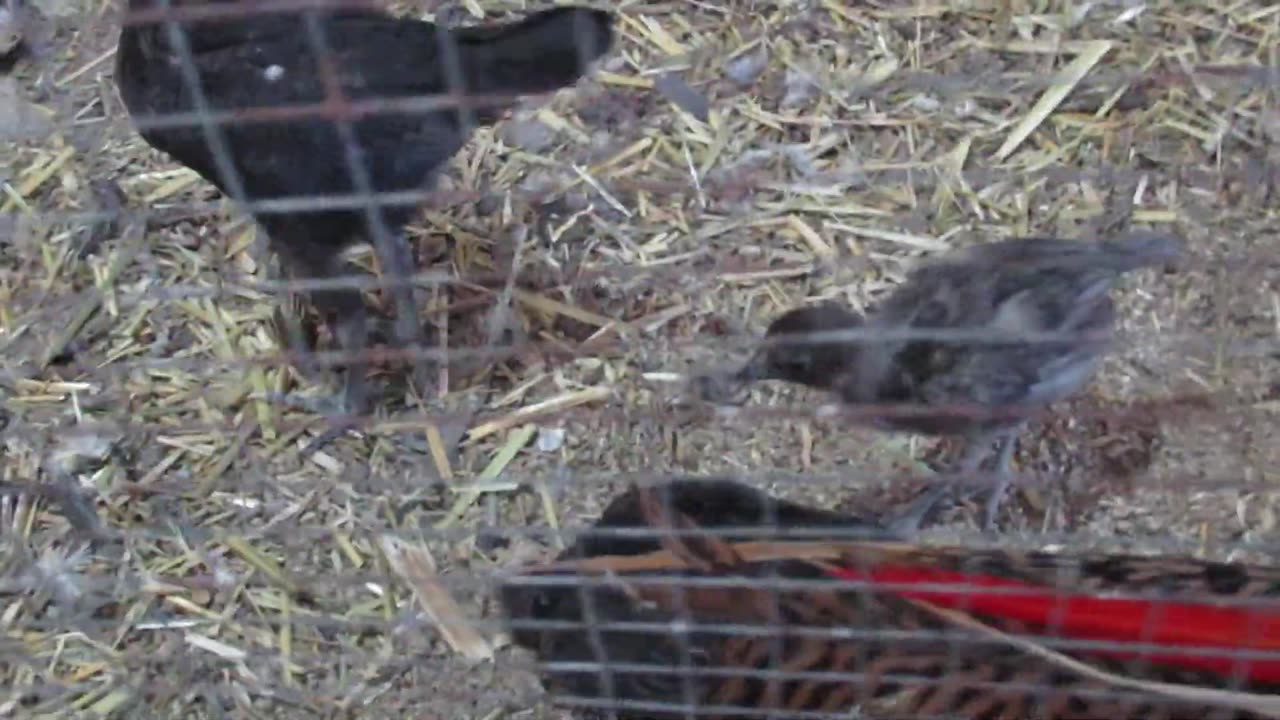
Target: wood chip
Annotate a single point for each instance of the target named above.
(415, 565)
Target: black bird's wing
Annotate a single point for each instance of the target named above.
(268, 61)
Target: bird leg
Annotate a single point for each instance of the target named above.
(998, 481)
(1001, 478)
(976, 451)
(353, 336)
(909, 521)
(397, 264)
(300, 343)
(344, 308)
(352, 331)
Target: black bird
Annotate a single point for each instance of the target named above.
(255, 57)
(983, 390)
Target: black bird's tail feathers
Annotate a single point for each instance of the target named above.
(1141, 249)
(1118, 255)
(541, 53)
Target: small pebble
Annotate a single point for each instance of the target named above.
(801, 88)
(744, 69)
(531, 135)
(677, 91)
(550, 439)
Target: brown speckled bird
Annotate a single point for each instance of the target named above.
(1016, 292)
(264, 59)
(761, 623)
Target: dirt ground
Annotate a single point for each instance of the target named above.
(842, 141)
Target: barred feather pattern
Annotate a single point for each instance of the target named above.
(718, 626)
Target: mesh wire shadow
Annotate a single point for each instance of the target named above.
(170, 551)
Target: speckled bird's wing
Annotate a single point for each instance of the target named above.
(1000, 298)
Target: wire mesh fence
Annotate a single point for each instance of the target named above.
(533, 506)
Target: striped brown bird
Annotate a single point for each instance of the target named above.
(759, 620)
(950, 380)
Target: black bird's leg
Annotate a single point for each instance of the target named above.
(299, 342)
(351, 327)
(344, 309)
(353, 336)
(398, 266)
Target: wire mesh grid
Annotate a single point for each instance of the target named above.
(579, 257)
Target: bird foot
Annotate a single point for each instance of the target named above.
(416, 342)
(996, 486)
(333, 407)
(406, 332)
(952, 488)
(341, 411)
(335, 427)
(910, 520)
(424, 378)
(316, 404)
